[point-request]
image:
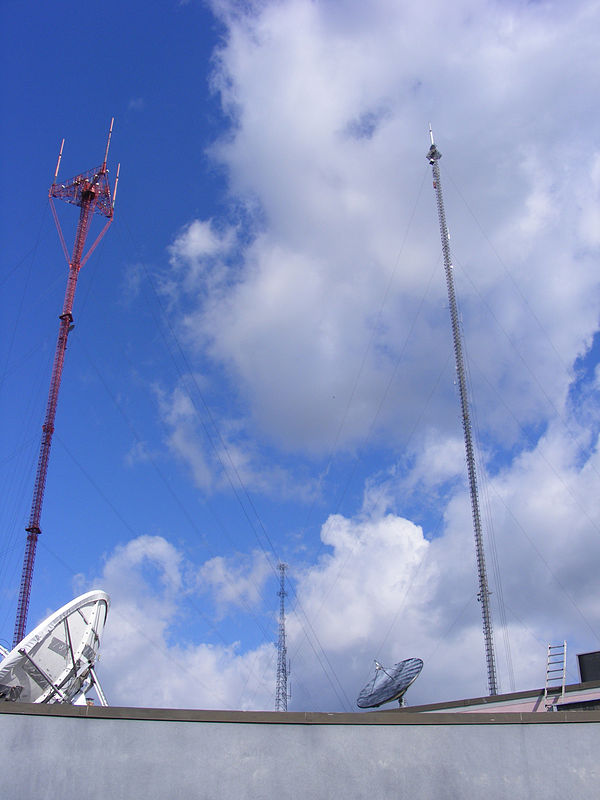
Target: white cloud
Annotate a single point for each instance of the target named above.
(146, 550)
(234, 584)
(140, 664)
(589, 205)
(438, 460)
(139, 453)
(198, 244)
(328, 105)
(381, 590)
(131, 283)
(220, 453)
(386, 592)
(329, 322)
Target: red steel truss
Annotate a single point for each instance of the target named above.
(91, 192)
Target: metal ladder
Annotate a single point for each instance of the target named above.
(556, 672)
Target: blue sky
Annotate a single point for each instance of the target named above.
(261, 367)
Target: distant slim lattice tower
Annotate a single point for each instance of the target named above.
(281, 692)
(91, 192)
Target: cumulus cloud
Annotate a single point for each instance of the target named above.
(545, 525)
(140, 663)
(322, 330)
(382, 588)
(219, 452)
(197, 254)
(334, 318)
(235, 584)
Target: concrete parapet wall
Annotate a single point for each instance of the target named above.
(98, 753)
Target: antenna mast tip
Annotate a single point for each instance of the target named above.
(112, 120)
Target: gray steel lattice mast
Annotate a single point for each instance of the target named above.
(281, 691)
(433, 156)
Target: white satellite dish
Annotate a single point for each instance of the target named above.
(55, 662)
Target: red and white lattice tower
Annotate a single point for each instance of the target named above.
(91, 192)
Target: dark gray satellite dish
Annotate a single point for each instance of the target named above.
(389, 683)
